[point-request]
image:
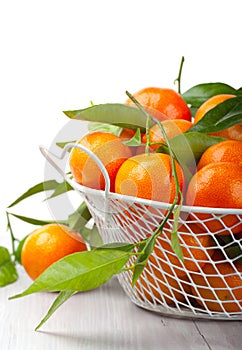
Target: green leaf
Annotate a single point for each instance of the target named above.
(221, 117)
(63, 144)
(61, 298)
(193, 145)
(61, 188)
(80, 271)
(202, 92)
(175, 243)
(112, 113)
(113, 129)
(123, 246)
(43, 186)
(18, 251)
(145, 249)
(37, 221)
(92, 236)
(78, 219)
(8, 272)
(135, 140)
(234, 251)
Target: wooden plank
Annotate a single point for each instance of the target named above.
(221, 335)
(103, 319)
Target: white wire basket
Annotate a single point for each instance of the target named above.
(207, 284)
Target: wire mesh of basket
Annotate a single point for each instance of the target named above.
(206, 284)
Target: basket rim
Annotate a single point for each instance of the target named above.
(84, 190)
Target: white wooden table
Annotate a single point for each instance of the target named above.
(103, 319)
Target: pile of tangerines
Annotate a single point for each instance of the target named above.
(146, 173)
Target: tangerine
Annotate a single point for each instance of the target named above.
(225, 151)
(197, 247)
(217, 185)
(162, 103)
(109, 148)
(219, 286)
(127, 133)
(149, 176)
(158, 286)
(210, 104)
(171, 127)
(234, 132)
(46, 245)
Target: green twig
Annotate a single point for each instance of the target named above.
(13, 239)
(178, 79)
(148, 118)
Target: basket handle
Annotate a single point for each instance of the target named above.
(53, 159)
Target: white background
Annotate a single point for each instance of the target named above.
(58, 55)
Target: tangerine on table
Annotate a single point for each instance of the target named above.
(221, 290)
(46, 245)
(109, 148)
(149, 176)
(225, 151)
(171, 127)
(234, 132)
(162, 103)
(217, 185)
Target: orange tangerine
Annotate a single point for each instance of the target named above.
(234, 132)
(171, 127)
(46, 245)
(219, 286)
(149, 176)
(162, 103)
(108, 148)
(217, 185)
(225, 151)
(159, 286)
(210, 104)
(196, 244)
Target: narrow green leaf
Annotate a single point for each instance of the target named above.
(202, 92)
(175, 243)
(135, 140)
(113, 129)
(78, 219)
(17, 253)
(123, 246)
(234, 251)
(61, 298)
(193, 145)
(145, 249)
(91, 236)
(112, 113)
(43, 186)
(61, 188)
(80, 271)
(8, 272)
(36, 221)
(224, 115)
(63, 144)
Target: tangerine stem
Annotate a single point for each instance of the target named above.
(148, 118)
(178, 79)
(13, 239)
(174, 173)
